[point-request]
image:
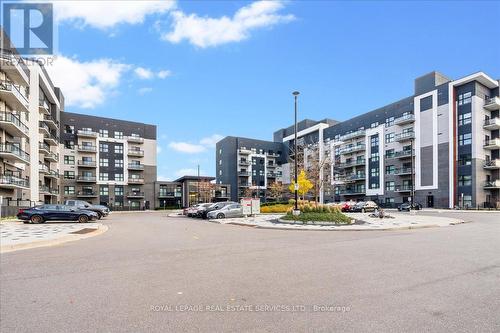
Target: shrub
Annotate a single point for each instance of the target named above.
(335, 217)
(278, 208)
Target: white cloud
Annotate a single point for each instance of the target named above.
(210, 141)
(164, 178)
(144, 91)
(185, 147)
(86, 84)
(143, 73)
(189, 172)
(206, 31)
(164, 73)
(107, 14)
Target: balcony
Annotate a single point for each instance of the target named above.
(405, 119)
(136, 180)
(492, 184)
(404, 136)
(46, 190)
(51, 139)
(54, 124)
(135, 195)
(243, 185)
(135, 166)
(52, 157)
(354, 191)
(169, 194)
(359, 161)
(355, 177)
(492, 124)
(42, 168)
(52, 174)
(12, 152)
(86, 179)
(243, 173)
(492, 144)
(353, 135)
(13, 125)
(9, 181)
(43, 106)
(493, 164)
(353, 149)
(14, 66)
(87, 164)
(403, 171)
(135, 139)
(244, 151)
(243, 162)
(400, 154)
(43, 128)
(403, 188)
(492, 103)
(136, 152)
(43, 148)
(86, 194)
(273, 155)
(87, 148)
(87, 133)
(12, 95)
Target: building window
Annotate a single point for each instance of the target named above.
(374, 185)
(389, 201)
(69, 190)
(69, 174)
(118, 191)
(103, 162)
(390, 186)
(103, 190)
(464, 119)
(374, 172)
(69, 129)
(465, 180)
(390, 169)
(467, 201)
(103, 133)
(465, 98)
(103, 147)
(465, 139)
(69, 144)
(103, 176)
(118, 163)
(118, 135)
(69, 159)
(389, 122)
(465, 159)
(119, 177)
(375, 124)
(119, 149)
(374, 157)
(389, 137)
(374, 140)
(389, 153)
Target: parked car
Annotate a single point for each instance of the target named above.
(193, 210)
(364, 206)
(347, 206)
(80, 204)
(201, 208)
(43, 213)
(104, 209)
(233, 210)
(406, 207)
(215, 206)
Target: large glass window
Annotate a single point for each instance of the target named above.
(103, 147)
(103, 190)
(465, 98)
(389, 186)
(103, 133)
(118, 190)
(464, 180)
(464, 119)
(390, 169)
(69, 190)
(389, 137)
(69, 159)
(465, 139)
(103, 176)
(69, 174)
(103, 162)
(119, 149)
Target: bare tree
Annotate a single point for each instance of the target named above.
(276, 190)
(317, 166)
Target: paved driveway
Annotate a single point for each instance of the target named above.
(151, 273)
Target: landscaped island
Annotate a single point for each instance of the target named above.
(309, 212)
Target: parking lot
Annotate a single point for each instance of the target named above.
(153, 273)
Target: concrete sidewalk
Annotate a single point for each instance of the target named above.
(18, 236)
(364, 222)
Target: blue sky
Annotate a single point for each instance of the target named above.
(204, 69)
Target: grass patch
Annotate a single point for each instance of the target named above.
(334, 217)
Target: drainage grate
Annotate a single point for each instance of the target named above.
(83, 231)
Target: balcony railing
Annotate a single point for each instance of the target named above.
(492, 143)
(43, 168)
(404, 136)
(135, 166)
(243, 184)
(14, 60)
(87, 148)
(492, 184)
(14, 181)
(136, 180)
(51, 156)
(492, 164)
(136, 152)
(43, 146)
(492, 123)
(243, 173)
(360, 161)
(403, 188)
(243, 162)
(12, 88)
(272, 175)
(405, 119)
(87, 163)
(86, 194)
(353, 177)
(354, 191)
(492, 103)
(9, 148)
(135, 194)
(49, 119)
(402, 171)
(9, 117)
(86, 178)
(352, 135)
(400, 154)
(136, 139)
(87, 133)
(352, 149)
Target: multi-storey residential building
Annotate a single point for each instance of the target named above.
(249, 166)
(439, 146)
(29, 106)
(108, 161)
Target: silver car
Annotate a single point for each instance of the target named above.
(234, 210)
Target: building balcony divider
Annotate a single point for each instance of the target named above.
(9, 118)
(13, 181)
(87, 148)
(13, 96)
(10, 149)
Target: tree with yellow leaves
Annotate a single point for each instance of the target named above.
(305, 184)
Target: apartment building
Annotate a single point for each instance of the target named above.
(439, 147)
(29, 130)
(108, 161)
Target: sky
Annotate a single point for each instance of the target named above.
(202, 70)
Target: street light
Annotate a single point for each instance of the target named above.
(296, 186)
(412, 193)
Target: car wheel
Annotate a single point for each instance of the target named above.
(36, 219)
(83, 218)
(99, 216)
(220, 216)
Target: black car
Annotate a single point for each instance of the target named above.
(215, 206)
(43, 213)
(406, 207)
(80, 204)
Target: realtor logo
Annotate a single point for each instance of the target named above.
(30, 27)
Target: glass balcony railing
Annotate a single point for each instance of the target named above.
(9, 117)
(10, 148)
(14, 181)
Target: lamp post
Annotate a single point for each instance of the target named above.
(296, 186)
(412, 193)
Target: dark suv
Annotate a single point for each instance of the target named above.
(80, 204)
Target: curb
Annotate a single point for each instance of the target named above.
(52, 242)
